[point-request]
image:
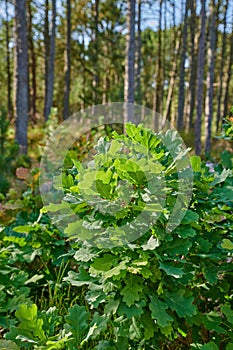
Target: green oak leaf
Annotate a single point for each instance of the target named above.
(78, 318)
(131, 292)
(170, 270)
(158, 311)
(185, 231)
(29, 321)
(151, 244)
(180, 302)
(84, 254)
(103, 189)
(97, 325)
(209, 346)
(134, 330)
(196, 163)
(148, 324)
(212, 321)
(115, 271)
(111, 307)
(105, 263)
(227, 244)
(228, 312)
(135, 310)
(221, 177)
(52, 208)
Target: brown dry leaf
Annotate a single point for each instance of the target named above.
(22, 173)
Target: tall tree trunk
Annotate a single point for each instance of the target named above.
(193, 66)
(83, 63)
(181, 98)
(200, 78)
(21, 75)
(164, 56)
(139, 47)
(8, 64)
(210, 76)
(172, 78)
(229, 74)
(158, 87)
(130, 60)
(67, 61)
(50, 68)
(46, 46)
(32, 66)
(173, 68)
(95, 82)
(221, 73)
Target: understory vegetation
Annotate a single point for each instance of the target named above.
(97, 285)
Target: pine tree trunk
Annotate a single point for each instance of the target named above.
(200, 78)
(210, 77)
(221, 73)
(175, 48)
(21, 75)
(32, 66)
(50, 63)
(139, 44)
(67, 61)
(172, 78)
(8, 64)
(95, 81)
(164, 56)
(158, 87)
(193, 66)
(130, 61)
(229, 74)
(181, 98)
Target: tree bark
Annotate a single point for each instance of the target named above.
(49, 71)
(193, 66)
(95, 81)
(158, 87)
(21, 75)
(173, 67)
(200, 77)
(221, 73)
(164, 65)
(130, 61)
(172, 78)
(229, 74)
(32, 100)
(8, 64)
(139, 47)
(181, 98)
(67, 61)
(210, 77)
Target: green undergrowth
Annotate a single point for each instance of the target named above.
(94, 287)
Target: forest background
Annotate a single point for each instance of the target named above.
(57, 57)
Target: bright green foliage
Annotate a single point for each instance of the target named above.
(131, 292)
(227, 133)
(30, 327)
(77, 318)
(158, 311)
(162, 290)
(157, 279)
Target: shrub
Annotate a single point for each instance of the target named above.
(138, 283)
(160, 290)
